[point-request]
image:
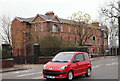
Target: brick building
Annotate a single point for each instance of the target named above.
(34, 28)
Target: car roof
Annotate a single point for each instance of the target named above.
(72, 52)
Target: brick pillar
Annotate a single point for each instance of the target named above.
(36, 52)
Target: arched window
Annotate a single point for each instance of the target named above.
(94, 38)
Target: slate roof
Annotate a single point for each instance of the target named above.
(50, 18)
(25, 19)
(44, 17)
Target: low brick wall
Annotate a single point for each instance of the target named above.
(5, 63)
(43, 60)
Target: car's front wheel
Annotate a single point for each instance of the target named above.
(88, 73)
(70, 75)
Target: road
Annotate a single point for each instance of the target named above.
(103, 68)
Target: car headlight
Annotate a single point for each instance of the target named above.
(63, 67)
(44, 67)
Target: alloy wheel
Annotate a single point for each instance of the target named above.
(70, 75)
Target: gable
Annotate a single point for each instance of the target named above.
(56, 19)
(38, 19)
(15, 20)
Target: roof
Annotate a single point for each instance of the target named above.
(103, 28)
(72, 52)
(45, 17)
(50, 18)
(25, 19)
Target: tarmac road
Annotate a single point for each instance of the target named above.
(103, 68)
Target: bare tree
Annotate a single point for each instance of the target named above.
(109, 15)
(5, 33)
(84, 29)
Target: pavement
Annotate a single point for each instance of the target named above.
(14, 68)
(27, 66)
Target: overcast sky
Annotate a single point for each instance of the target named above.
(62, 8)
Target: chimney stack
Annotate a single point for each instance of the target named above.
(50, 13)
(95, 23)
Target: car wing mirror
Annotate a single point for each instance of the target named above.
(77, 60)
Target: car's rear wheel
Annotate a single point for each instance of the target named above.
(88, 73)
(70, 75)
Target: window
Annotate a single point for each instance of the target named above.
(98, 49)
(94, 38)
(75, 39)
(69, 39)
(61, 28)
(75, 30)
(105, 35)
(62, 57)
(99, 41)
(83, 31)
(38, 19)
(35, 27)
(80, 57)
(55, 28)
(68, 29)
(42, 27)
(61, 38)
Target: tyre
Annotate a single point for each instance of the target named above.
(70, 76)
(48, 79)
(88, 73)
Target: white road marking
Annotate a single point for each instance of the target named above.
(40, 77)
(21, 71)
(27, 74)
(95, 67)
(112, 59)
(114, 63)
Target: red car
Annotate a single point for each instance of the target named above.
(68, 65)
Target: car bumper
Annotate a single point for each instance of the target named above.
(54, 74)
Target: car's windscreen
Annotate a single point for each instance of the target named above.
(62, 58)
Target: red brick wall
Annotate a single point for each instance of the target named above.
(18, 36)
(43, 60)
(6, 63)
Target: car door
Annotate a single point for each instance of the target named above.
(80, 58)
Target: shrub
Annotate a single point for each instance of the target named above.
(50, 45)
(4, 54)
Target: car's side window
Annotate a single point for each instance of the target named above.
(80, 57)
